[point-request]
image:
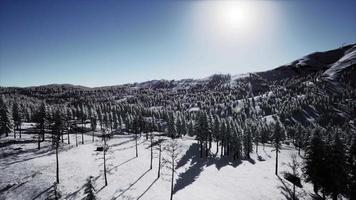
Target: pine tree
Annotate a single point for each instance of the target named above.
(173, 151)
(171, 126)
(337, 168)
(16, 116)
(58, 127)
(314, 162)
(89, 190)
(277, 137)
(41, 119)
(352, 167)
(5, 120)
(247, 140)
(216, 132)
(93, 125)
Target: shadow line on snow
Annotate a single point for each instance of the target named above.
(192, 155)
(132, 184)
(148, 188)
(115, 167)
(41, 193)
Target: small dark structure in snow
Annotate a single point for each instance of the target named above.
(293, 179)
(102, 148)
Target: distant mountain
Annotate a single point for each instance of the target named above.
(331, 63)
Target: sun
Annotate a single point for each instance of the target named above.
(231, 22)
(234, 15)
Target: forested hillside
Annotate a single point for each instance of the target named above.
(309, 105)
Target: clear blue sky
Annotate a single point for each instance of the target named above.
(95, 43)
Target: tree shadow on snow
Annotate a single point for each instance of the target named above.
(116, 166)
(197, 165)
(132, 184)
(148, 188)
(43, 192)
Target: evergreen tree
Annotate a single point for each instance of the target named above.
(5, 120)
(247, 139)
(16, 116)
(337, 168)
(41, 119)
(89, 190)
(314, 161)
(278, 135)
(93, 126)
(216, 132)
(173, 151)
(352, 167)
(58, 128)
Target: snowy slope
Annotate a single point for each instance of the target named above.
(348, 60)
(30, 174)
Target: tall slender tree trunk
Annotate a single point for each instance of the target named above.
(136, 145)
(201, 149)
(14, 133)
(104, 150)
(151, 152)
(39, 140)
(82, 131)
(217, 147)
(68, 136)
(276, 172)
(93, 136)
(76, 139)
(159, 161)
(57, 164)
(172, 183)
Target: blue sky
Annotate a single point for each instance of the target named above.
(96, 43)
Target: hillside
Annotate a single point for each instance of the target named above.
(232, 128)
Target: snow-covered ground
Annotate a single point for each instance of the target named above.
(28, 173)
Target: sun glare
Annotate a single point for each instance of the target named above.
(234, 15)
(227, 22)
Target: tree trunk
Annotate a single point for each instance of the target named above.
(104, 150)
(93, 136)
(217, 147)
(39, 140)
(159, 161)
(276, 172)
(76, 139)
(201, 149)
(68, 137)
(57, 164)
(151, 153)
(20, 130)
(172, 178)
(82, 131)
(136, 145)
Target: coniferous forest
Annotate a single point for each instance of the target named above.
(294, 124)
